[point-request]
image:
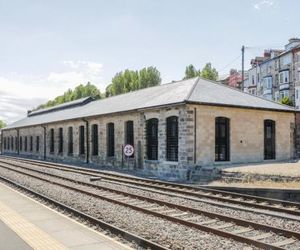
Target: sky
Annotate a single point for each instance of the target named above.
(49, 46)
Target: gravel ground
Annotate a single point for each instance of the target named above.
(282, 169)
(237, 213)
(171, 235)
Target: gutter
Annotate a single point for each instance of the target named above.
(241, 107)
(87, 140)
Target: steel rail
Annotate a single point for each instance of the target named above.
(104, 225)
(157, 214)
(179, 188)
(237, 221)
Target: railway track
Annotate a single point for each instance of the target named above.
(262, 236)
(273, 205)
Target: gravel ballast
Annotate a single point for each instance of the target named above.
(274, 221)
(171, 235)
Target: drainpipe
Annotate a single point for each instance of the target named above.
(295, 153)
(45, 140)
(195, 136)
(2, 142)
(18, 141)
(87, 140)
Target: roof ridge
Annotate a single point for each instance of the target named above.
(192, 89)
(255, 96)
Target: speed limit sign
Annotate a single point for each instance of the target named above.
(128, 150)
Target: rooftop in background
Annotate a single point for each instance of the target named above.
(273, 53)
(195, 90)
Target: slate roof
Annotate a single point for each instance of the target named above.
(195, 90)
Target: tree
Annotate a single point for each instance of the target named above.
(286, 101)
(2, 124)
(191, 71)
(210, 73)
(149, 77)
(131, 80)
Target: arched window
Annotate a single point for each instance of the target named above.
(4, 142)
(37, 145)
(172, 138)
(70, 140)
(16, 143)
(110, 139)
(60, 140)
(26, 144)
(269, 140)
(222, 139)
(52, 141)
(95, 139)
(129, 133)
(152, 139)
(21, 143)
(81, 140)
(31, 144)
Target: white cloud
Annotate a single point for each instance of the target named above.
(18, 93)
(263, 4)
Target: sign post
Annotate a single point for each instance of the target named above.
(128, 151)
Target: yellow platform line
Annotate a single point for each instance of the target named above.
(31, 234)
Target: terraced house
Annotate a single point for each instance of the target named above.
(277, 74)
(176, 129)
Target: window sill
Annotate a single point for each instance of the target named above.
(152, 161)
(110, 158)
(170, 162)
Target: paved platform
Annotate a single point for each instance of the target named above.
(28, 224)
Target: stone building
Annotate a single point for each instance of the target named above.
(177, 130)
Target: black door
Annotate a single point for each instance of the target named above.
(222, 141)
(269, 139)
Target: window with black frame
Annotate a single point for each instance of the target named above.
(81, 140)
(222, 139)
(25, 142)
(95, 138)
(12, 143)
(129, 134)
(21, 143)
(269, 140)
(37, 144)
(172, 138)
(31, 144)
(110, 139)
(52, 141)
(152, 139)
(70, 140)
(60, 140)
(16, 143)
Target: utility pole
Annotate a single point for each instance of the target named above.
(243, 73)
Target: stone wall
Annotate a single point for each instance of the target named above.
(161, 167)
(246, 134)
(196, 128)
